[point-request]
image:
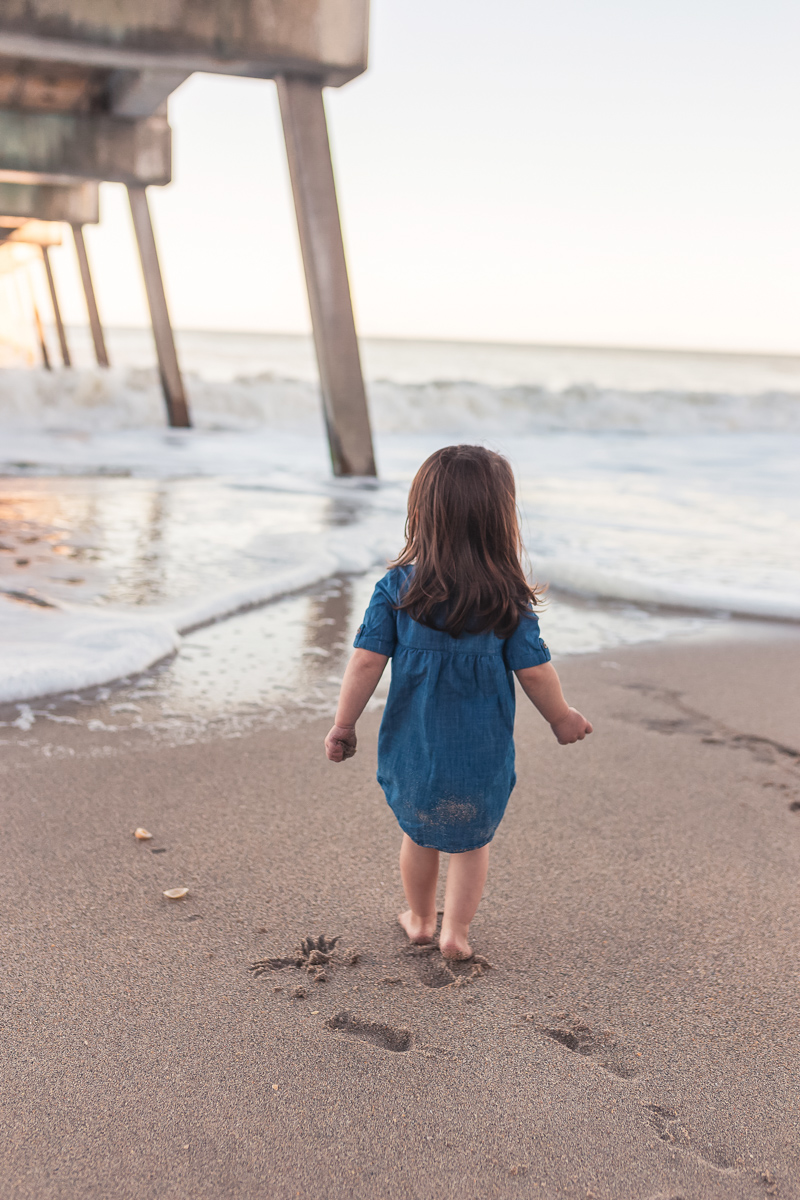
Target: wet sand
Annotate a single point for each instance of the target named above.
(634, 1037)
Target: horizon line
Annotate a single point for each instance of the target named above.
(607, 347)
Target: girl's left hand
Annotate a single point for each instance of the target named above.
(341, 743)
(572, 727)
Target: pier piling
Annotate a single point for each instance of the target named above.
(100, 352)
(51, 283)
(37, 321)
(171, 380)
(311, 171)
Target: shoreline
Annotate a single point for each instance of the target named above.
(629, 1038)
(220, 520)
(169, 625)
(164, 699)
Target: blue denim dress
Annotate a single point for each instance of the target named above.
(446, 743)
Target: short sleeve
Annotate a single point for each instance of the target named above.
(379, 629)
(525, 647)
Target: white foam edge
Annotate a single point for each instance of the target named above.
(589, 581)
(94, 400)
(69, 647)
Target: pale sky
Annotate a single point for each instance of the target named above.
(594, 171)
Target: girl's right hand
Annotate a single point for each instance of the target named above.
(341, 743)
(572, 727)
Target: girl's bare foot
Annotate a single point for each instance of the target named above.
(453, 942)
(420, 930)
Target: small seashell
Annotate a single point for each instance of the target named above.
(142, 834)
(176, 893)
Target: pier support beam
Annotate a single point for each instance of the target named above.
(86, 146)
(76, 203)
(100, 352)
(51, 283)
(171, 380)
(343, 394)
(37, 320)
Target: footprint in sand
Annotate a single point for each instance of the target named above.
(433, 971)
(667, 1124)
(580, 1038)
(708, 730)
(373, 1032)
(429, 967)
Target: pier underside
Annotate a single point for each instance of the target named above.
(83, 93)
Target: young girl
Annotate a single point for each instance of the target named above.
(455, 613)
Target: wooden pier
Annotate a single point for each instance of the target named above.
(83, 93)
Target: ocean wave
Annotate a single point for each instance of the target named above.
(650, 523)
(95, 400)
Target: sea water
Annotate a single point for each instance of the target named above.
(657, 493)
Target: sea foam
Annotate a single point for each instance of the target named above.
(651, 497)
(130, 398)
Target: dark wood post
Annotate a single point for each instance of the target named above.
(100, 352)
(341, 379)
(37, 320)
(171, 380)
(51, 283)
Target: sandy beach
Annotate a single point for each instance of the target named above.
(302, 303)
(633, 1036)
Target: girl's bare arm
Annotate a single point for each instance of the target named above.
(543, 688)
(360, 680)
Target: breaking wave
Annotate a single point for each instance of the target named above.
(95, 400)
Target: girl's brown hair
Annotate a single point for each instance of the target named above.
(463, 539)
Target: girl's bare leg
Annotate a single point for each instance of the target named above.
(466, 876)
(419, 868)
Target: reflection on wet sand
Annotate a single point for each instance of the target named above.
(142, 579)
(99, 537)
(270, 665)
(344, 509)
(142, 541)
(329, 615)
